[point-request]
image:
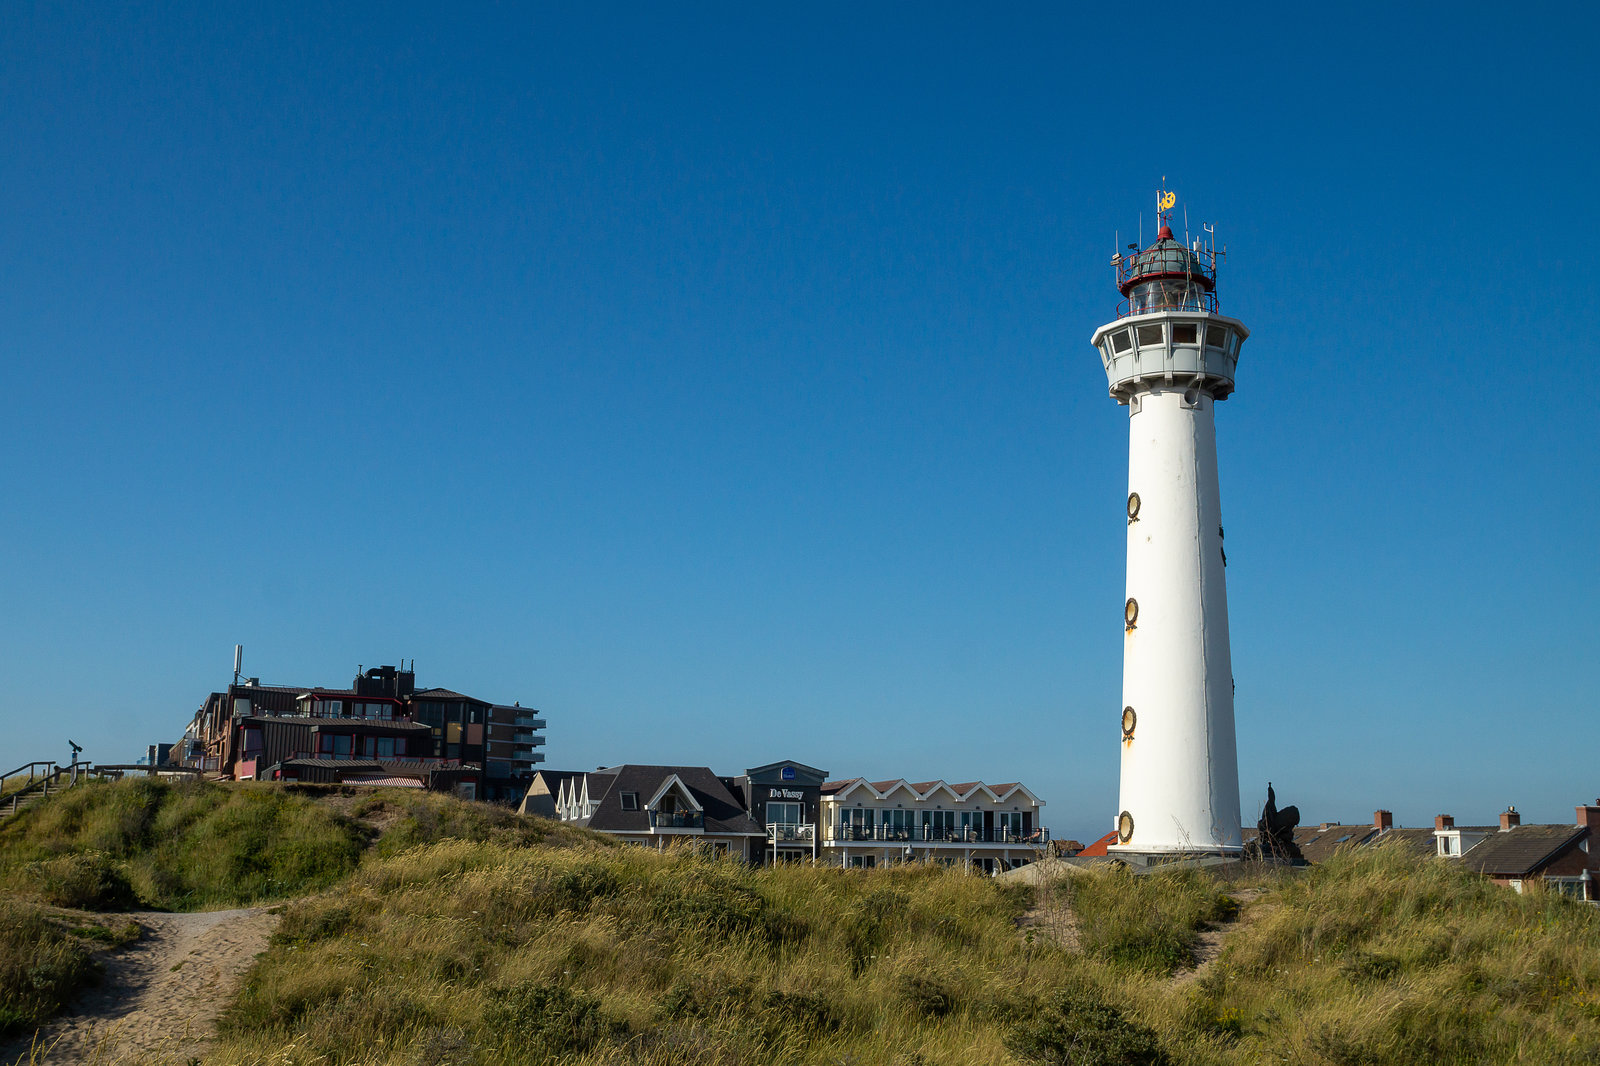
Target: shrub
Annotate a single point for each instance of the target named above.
(925, 995)
(87, 881)
(548, 1022)
(1079, 1029)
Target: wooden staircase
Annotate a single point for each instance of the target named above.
(44, 779)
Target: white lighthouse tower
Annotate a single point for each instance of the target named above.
(1170, 357)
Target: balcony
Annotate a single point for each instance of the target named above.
(690, 821)
(533, 740)
(789, 833)
(528, 721)
(934, 835)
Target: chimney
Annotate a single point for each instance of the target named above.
(1443, 821)
(1382, 820)
(1589, 815)
(1508, 818)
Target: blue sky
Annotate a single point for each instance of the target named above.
(718, 380)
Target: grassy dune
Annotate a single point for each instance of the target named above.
(421, 930)
(195, 845)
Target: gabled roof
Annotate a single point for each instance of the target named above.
(1522, 850)
(754, 770)
(1418, 841)
(723, 813)
(673, 780)
(1317, 843)
(924, 790)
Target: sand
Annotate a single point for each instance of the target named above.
(161, 995)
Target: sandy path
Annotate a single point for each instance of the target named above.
(1210, 941)
(161, 995)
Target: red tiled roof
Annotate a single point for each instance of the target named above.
(1098, 848)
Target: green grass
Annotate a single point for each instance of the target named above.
(45, 959)
(432, 931)
(174, 845)
(190, 845)
(601, 955)
(1376, 957)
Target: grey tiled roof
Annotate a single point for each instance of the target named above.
(723, 814)
(1521, 850)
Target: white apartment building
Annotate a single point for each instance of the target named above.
(875, 823)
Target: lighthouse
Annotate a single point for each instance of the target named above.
(1169, 357)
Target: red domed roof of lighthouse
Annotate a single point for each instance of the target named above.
(1166, 258)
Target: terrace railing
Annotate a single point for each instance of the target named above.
(930, 834)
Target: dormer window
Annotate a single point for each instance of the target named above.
(630, 801)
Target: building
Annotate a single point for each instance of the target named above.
(652, 806)
(1170, 357)
(1558, 855)
(788, 812)
(379, 731)
(1509, 853)
(785, 799)
(877, 823)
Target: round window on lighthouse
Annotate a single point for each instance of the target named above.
(1129, 720)
(1133, 506)
(1130, 612)
(1124, 827)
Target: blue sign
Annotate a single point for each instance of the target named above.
(788, 773)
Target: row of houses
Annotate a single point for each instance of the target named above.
(380, 730)
(1509, 853)
(792, 812)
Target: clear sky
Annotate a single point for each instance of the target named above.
(717, 378)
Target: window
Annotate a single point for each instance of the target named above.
(938, 825)
(331, 746)
(630, 801)
(898, 823)
(1217, 336)
(863, 862)
(1120, 340)
(855, 823)
(1185, 333)
(1149, 335)
(385, 747)
(783, 814)
(1011, 822)
(333, 708)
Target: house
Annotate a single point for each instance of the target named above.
(379, 731)
(654, 806)
(1558, 855)
(1509, 853)
(987, 827)
(786, 799)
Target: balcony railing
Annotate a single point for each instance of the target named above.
(529, 739)
(528, 721)
(409, 762)
(786, 832)
(930, 834)
(677, 820)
